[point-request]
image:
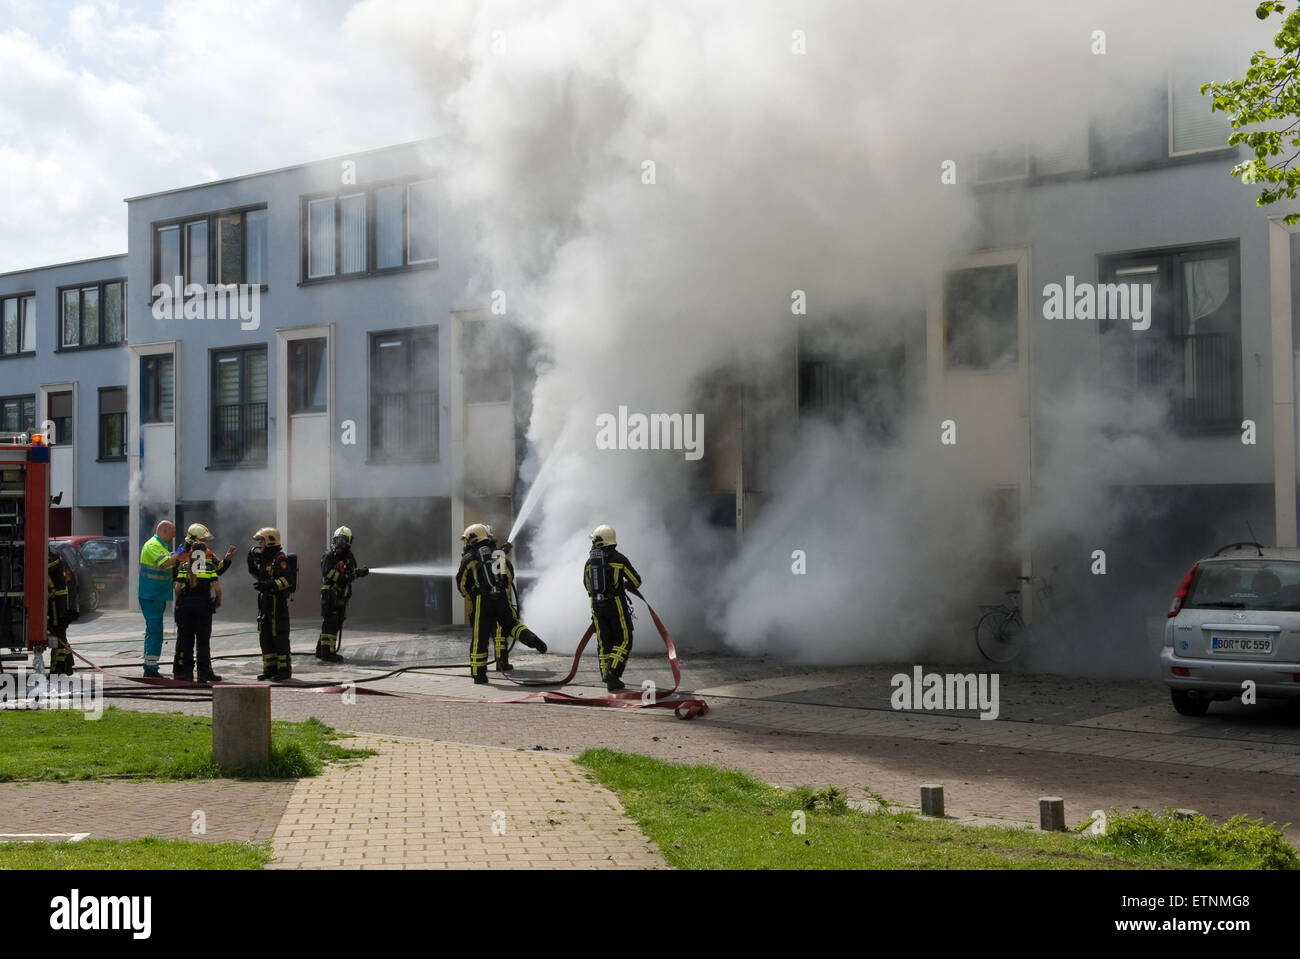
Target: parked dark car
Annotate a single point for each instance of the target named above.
(106, 559)
(85, 597)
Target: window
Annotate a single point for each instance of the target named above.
(308, 377)
(156, 388)
(60, 414)
(404, 395)
(356, 234)
(1193, 126)
(218, 248)
(17, 325)
(1190, 357)
(239, 391)
(981, 318)
(92, 315)
(112, 423)
(18, 414)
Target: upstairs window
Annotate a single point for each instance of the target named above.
(93, 315)
(225, 248)
(361, 233)
(17, 325)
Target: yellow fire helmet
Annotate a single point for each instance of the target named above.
(475, 534)
(604, 536)
(270, 534)
(196, 533)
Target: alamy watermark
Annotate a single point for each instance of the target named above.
(1130, 302)
(83, 692)
(952, 691)
(179, 300)
(655, 431)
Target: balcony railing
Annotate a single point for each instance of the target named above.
(1201, 374)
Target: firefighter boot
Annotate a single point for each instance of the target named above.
(532, 640)
(268, 667)
(283, 671)
(183, 667)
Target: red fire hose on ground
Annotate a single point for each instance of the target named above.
(631, 699)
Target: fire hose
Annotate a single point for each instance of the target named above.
(684, 708)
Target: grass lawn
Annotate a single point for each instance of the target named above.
(134, 854)
(707, 818)
(59, 744)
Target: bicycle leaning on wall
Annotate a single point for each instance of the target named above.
(1000, 632)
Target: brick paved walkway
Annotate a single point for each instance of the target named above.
(431, 805)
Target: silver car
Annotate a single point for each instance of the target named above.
(1235, 618)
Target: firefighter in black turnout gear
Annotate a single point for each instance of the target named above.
(522, 633)
(482, 579)
(272, 577)
(338, 569)
(58, 579)
(198, 594)
(606, 578)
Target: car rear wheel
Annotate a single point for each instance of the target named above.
(1187, 704)
(92, 600)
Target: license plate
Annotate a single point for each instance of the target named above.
(1241, 644)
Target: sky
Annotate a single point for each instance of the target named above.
(101, 101)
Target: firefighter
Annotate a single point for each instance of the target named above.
(481, 579)
(58, 578)
(338, 569)
(520, 632)
(272, 577)
(154, 590)
(198, 594)
(606, 578)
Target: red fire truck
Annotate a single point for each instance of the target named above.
(24, 531)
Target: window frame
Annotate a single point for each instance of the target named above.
(372, 267)
(1173, 327)
(24, 348)
(59, 431)
(214, 357)
(183, 224)
(104, 457)
(20, 397)
(151, 392)
(100, 286)
(295, 385)
(374, 452)
(1169, 128)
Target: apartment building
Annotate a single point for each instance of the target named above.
(63, 370)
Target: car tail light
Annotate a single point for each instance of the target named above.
(1182, 671)
(1181, 595)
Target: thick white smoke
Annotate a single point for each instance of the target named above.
(793, 147)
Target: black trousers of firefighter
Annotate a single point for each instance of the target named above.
(193, 633)
(273, 635)
(494, 622)
(613, 621)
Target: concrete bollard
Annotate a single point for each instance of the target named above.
(932, 800)
(241, 725)
(1051, 814)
